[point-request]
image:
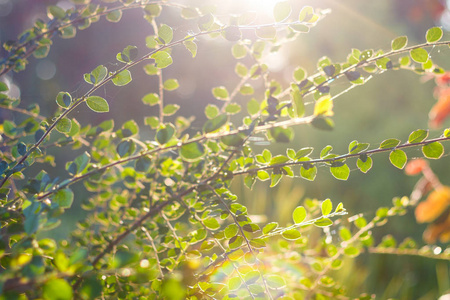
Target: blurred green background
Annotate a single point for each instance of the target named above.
(391, 105)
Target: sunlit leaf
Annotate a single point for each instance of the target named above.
(398, 158)
(434, 34)
(433, 150)
(97, 104)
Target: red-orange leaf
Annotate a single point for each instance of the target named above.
(415, 166)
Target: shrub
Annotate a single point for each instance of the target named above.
(162, 221)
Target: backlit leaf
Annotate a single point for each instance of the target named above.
(418, 136)
(433, 150)
(165, 32)
(291, 234)
(192, 152)
(341, 172)
(323, 222)
(121, 79)
(97, 104)
(326, 207)
(299, 214)
(434, 34)
(399, 43)
(419, 55)
(281, 11)
(398, 158)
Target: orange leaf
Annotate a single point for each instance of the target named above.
(415, 166)
(438, 230)
(436, 203)
(441, 110)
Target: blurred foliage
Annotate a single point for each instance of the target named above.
(243, 115)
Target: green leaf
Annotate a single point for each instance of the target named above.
(364, 164)
(270, 227)
(275, 281)
(191, 47)
(252, 277)
(128, 54)
(192, 152)
(447, 132)
(231, 231)
(323, 222)
(97, 104)
(55, 12)
(234, 283)
(434, 34)
(398, 158)
(299, 74)
(215, 123)
(121, 79)
(291, 234)
(64, 99)
(282, 135)
(220, 93)
(114, 16)
(170, 109)
(232, 108)
(356, 147)
(281, 11)
(275, 179)
(297, 103)
(389, 143)
(211, 223)
(211, 111)
(171, 84)
(326, 207)
(322, 123)
(41, 51)
(418, 136)
(64, 125)
(151, 99)
(143, 164)
(126, 148)
(57, 289)
(64, 198)
(341, 172)
(235, 242)
(165, 133)
(299, 214)
(165, 32)
(99, 73)
(308, 173)
(351, 251)
(433, 150)
(419, 55)
(262, 175)
(3, 87)
(162, 59)
(238, 51)
(399, 43)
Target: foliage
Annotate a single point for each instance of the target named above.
(162, 221)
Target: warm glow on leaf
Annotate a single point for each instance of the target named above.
(436, 203)
(441, 110)
(415, 166)
(439, 230)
